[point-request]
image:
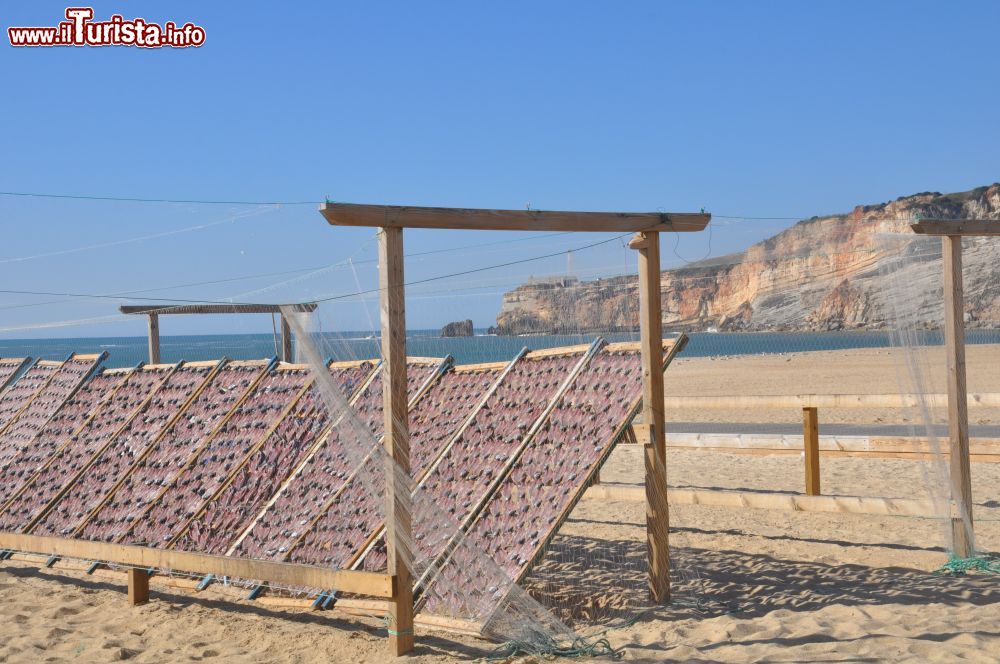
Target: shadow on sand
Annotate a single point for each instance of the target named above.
(596, 582)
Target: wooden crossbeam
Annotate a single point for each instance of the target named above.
(725, 402)
(235, 308)
(957, 227)
(985, 449)
(364, 583)
(400, 216)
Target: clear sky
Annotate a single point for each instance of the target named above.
(776, 109)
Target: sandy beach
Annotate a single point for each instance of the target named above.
(750, 585)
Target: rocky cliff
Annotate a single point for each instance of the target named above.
(823, 273)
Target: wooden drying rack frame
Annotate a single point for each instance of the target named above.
(154, 311)
(391, 220)
(397, 585)
(142, 562)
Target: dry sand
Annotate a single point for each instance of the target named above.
(750, 585)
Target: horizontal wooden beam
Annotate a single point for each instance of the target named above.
(362, 583)
(398, 216)
(722, 402)
(968, 227)
(883, 447)
(773, 501)
(167, 308)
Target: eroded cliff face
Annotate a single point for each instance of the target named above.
(823, 273)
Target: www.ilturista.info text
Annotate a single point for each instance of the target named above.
(81, 30)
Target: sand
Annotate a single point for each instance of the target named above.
(750, 585)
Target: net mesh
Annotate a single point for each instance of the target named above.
(526, 482)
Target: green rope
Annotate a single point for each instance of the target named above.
(961, 566)
(387, 621)
(579, 647)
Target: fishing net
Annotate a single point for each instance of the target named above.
(917, 281)
(261, 435)
(258, 432)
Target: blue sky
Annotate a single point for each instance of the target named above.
(754, 109)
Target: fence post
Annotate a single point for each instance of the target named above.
(810, 442)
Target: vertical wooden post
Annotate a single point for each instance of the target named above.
(810, 442)
(651, 340)
(154, 338)
(286, 340)
(138, 586)
(963, 540)
(397, 437)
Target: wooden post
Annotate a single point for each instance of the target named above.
(651, 341)
(963, 542)
(154, 338)
(810, 442)
(286, 340)
(138, 586)
(397, 436)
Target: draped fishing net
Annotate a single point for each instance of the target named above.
(261, 435)
(245, 444)
(916, 283)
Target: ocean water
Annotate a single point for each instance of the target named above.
(129, 351)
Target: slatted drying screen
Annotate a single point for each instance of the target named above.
(313, 490)
(222, 520)
(171, 388)
(16, 397)
(9, 369)
(173, 452)
(22, 430)
(58, 432)
(241, 458)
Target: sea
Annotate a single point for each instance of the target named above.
(129, 351)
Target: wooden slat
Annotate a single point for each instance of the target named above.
(558, 351)
(397, 216)
(792, 401)
(621, 346)
(766, 442)
(957, 227)
(362, 583)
